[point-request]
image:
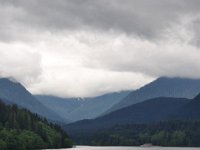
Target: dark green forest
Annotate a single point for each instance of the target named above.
(171, 133)
(22, 130)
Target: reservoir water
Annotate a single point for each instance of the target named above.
(129, 148)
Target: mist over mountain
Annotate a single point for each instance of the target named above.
(149, 111)
(161, 87)
(98, 64)
(62, 106)
(12, 92)
(75, 109)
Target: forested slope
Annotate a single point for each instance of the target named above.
(21, 130)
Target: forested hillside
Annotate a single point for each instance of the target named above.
(22, 130)
(153, 110)
(171, 133)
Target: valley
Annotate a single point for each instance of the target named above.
(100, 74)
(166, 120)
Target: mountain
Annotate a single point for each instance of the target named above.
(149, 111)
(162, 87)
(86, 108)
(191, 111)
(62, 106)
(12, 92)
(94, 107)
(22, 130)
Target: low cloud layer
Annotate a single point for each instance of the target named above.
(74, 48)
(19, 62)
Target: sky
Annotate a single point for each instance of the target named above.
(83, 48)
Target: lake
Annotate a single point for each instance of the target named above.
(129, 148)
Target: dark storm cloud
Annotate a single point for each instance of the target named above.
(144, 18)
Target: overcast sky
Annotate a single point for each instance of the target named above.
(81, 48)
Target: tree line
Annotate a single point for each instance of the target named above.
(20, 130)
(169, 133)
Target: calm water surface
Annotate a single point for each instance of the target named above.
(129, 148)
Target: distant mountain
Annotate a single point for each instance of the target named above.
(62, 106)
(149, 111)
(162, 87)
(94, 107)
(191, 111)
(86, 108)
(12, 92)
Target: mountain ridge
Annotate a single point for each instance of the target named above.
(161, 87)
(75, 109)
(13, 92)
(149, 111)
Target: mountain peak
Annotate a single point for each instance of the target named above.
(164, 78)
(9, 79)
(197, 97)
(13, 92)
(13, 80)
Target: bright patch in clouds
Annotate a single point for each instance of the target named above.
(88, 57)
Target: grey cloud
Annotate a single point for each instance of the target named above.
(173, 55)
(101, 45)
(195, 26)
(141, 17)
